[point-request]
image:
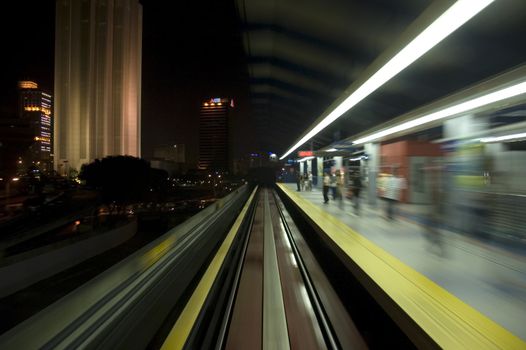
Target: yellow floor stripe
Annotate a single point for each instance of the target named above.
(179, 333)
(450, 322)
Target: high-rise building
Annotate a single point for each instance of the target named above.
(35, 108)
(98, 47)
(213, 134)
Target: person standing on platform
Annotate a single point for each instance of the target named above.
(340, 181)
(326, 184)
(393, 190)
(309, 181)
(356, 189)
(298, 180)
(436, 210)
(332, 185)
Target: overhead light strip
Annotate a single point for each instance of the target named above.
(463, 107)
(454, 17)
(514, 137)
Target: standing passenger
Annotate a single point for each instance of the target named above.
(326, 184)
(340, 181)
(332, 185)
(356, 189)
(393, 189)
(436, 210)
(298, 180)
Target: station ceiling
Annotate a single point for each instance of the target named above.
(303, 55)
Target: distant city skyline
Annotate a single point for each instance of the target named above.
(179, 67)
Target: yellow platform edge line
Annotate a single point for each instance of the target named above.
(450, 322)
(184, 324)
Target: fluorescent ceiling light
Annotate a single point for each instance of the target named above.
(454, 17)
(305, 159)
(504, 138)
(474, 103)
(331, 150)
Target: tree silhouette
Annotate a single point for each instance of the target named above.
(121, 179)
(158, 183)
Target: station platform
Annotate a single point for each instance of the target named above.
(468, 273)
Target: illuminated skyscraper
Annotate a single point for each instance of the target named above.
(213, 134)
(98, 47)
(35, 108)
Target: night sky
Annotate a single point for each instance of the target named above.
(301, 59)
(28, 47)
(191, 51)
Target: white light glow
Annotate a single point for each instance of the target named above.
(293, 259)
(331, 150)
(454, 17)
(305, 159)
(504, 138)
(481, 101)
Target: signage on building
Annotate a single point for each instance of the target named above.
(305, 153)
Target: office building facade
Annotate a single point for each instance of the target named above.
(98, 47)
(214, 135)
(35, 109)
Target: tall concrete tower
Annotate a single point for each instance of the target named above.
(213, 134)
(36, 108)
(98, 47)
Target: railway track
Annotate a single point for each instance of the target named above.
(246, 272)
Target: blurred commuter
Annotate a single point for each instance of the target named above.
(356, 188)
(302, 182)
(482, 214)
(393, 191)
(298, 180)
(326, 185)
(436, 211)
(309, 181)
(333, 185)
(340, 182)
